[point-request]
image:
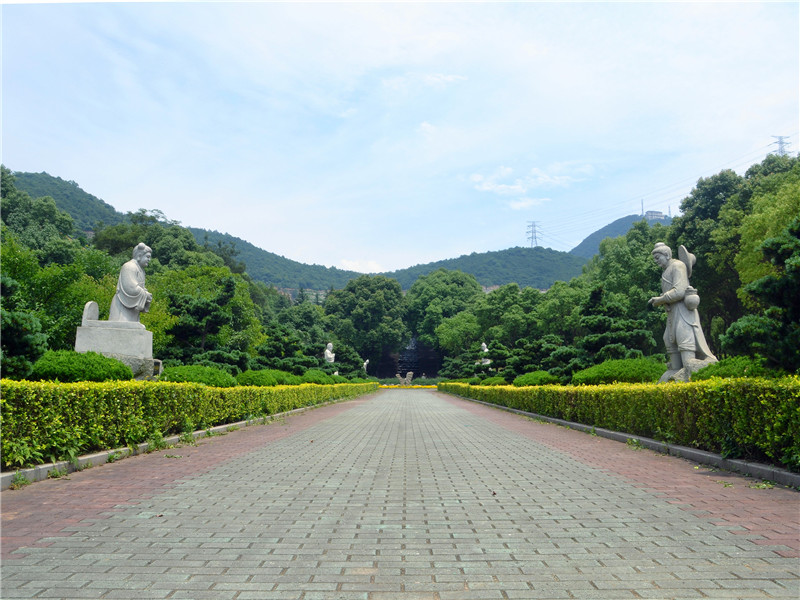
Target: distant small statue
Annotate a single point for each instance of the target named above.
(131, 297)
(485, 350)
(329, 355)
(364, 366)
(683, 336)
(405, 380)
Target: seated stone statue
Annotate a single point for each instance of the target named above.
(683, 336)
(329, 354)
(123, 337)
(132, 298)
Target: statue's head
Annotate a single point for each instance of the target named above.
(329, 346)
(142, 253)
(663, 249)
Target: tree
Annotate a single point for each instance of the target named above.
(774, 205)
(458, 332)
(436, 297)
(37, 223)
(775, 331)
(695, 229)
(368, 315)
(23, 342)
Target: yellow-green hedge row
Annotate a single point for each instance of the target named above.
(46, 421)
(753, 418)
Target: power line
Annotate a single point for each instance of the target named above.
(671, 194)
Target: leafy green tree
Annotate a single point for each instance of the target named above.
(37, 223)
(436, 297)
(200, 319)
(368, 315)
(695, 229)
(774, 205)
(458, 332)
(608, 334)
(308, 320)
(22, 342)
(773, 332)
(199, 309)
(282, 349)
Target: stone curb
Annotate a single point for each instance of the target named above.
(42, 472)
(750, 469)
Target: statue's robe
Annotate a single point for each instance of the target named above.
(683, 332)
(131, 298)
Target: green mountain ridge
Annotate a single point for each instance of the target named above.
(529, 267)
(590, 245)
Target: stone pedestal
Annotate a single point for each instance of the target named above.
(126, 341)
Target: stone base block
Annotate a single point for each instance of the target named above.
(125, 341)
(143, 368)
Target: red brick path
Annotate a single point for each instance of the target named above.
(765, 516)
(47, 508)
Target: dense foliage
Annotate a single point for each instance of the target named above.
(209, 311)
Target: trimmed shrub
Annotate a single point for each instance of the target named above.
(45, 421)
(745, 417)
(283, 377)
(494, 381)
(536, 378)
(257, 378)
(198, 374)
(627, 370)
(317, 376)
(69, 366)
(737, 366)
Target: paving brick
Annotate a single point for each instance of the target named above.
(404, 494)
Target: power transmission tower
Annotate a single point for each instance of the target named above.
(782, 144)
(532, 237)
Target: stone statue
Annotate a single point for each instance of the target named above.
(683, 336)
(329, 355)
(485, 350)
(132, 298)
(123, 337)
(364, 366)
(405, 380)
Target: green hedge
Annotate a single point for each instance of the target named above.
(69, 366)
(536, 378)
(739, 418)
(198, 374)
(46, 421)
(624, 370)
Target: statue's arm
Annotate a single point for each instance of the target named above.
(679, 280)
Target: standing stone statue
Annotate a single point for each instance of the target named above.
(329, 355)
(683, 336)
(485, 350)
(132, 298)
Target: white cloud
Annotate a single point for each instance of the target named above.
(525, 203)
(502, 182)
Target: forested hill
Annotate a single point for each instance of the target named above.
(85, 209)
(529, 267)
(588, 247)
(277, 270)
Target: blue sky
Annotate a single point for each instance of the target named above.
(377, 136)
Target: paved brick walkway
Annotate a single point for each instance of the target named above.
(405, 494)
